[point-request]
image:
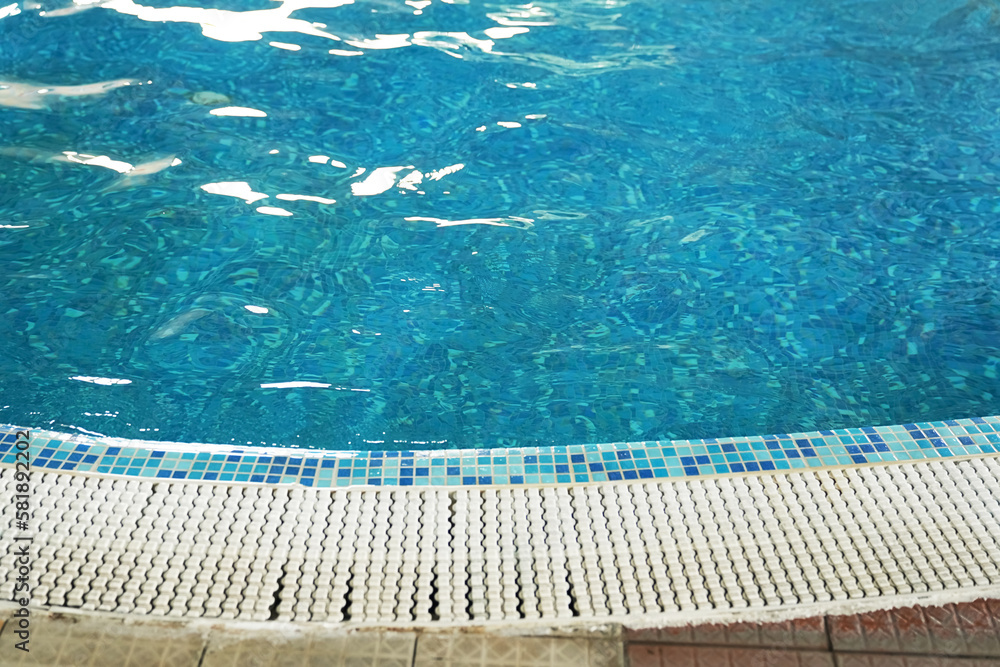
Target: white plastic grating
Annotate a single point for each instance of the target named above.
(430, 556)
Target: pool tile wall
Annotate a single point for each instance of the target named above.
(576, 464)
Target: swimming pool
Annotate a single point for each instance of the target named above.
(402, 226)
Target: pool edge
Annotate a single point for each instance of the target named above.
(515, 467)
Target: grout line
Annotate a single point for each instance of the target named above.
(6, 621)
(763, 647)
(204, 651)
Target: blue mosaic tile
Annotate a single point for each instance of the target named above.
(578, 464)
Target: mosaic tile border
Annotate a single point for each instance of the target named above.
(576, 464)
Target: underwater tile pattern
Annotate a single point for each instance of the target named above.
(576, 464)
(591, 240)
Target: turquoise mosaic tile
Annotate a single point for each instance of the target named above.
(578, 464)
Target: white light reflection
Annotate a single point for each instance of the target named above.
(99, 380)
(98, 161)
(297, 384)
(133, 174)
(236, 26)
(507, 123)
(505, 33)
(13, 10)
(75, 8)
(238, 111)
(273, 210)
(512, 221)
(238, 189)
(448, 42)
(451, 41)
(155, 166)
(410, 181)
(381, 42)
(319, 200)
(229, 26)
(377, 182)
(319, 159)
(444, 171)
(523, 15)
(259, 310)
(137, 174)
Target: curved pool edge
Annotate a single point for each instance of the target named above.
(559, 465)
(906, 514)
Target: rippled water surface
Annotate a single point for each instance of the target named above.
(387, 224)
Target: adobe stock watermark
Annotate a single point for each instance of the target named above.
(21, 622)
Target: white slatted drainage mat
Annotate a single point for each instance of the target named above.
(434, 556)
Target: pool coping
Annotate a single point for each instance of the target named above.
(515, 467)
(914, 523)
(749, 547)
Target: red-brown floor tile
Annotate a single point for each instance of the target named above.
(643, 655)
(900, 660)
(675, 635)
(666, 655)
(946, 635)
(980, 621)
(807, 633)
(968, 629)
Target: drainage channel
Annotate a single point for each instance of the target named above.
(434, 556)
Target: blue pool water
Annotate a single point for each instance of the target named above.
(441, 224)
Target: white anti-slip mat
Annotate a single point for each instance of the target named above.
(815, 541)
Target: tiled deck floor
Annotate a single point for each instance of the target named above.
(953, 635)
